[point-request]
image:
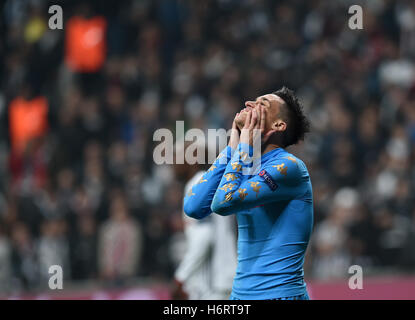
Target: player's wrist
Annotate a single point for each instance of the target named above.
(234, 138)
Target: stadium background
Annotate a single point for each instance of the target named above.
(78, 108)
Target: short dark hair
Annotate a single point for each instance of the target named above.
(292, 113)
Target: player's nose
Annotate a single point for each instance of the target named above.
(250, 104)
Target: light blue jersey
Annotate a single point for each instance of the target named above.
(274, 210)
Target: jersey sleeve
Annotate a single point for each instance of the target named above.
(198, 200)
(279, 180)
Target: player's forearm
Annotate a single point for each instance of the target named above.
(279, 180)
(226, 201)
(198, 200)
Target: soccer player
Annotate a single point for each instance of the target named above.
(274, 208)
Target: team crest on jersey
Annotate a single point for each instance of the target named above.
(268, 180)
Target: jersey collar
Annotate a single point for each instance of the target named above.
(271, 154)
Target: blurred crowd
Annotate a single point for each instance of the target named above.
(78, 184)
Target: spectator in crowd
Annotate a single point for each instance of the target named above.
(52, 249)
(25, 264)
(84, 249)
(120, 243)
(330, 239)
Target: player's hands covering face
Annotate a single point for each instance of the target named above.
(234, 139)
(254, 126)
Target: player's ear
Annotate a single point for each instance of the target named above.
(279, 125)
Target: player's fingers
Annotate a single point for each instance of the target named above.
(262, 125)
(258, 119)
(254, 119)
(234, 122)
(248, 119)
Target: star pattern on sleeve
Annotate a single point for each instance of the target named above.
(281, 169)
(202, 180)
(292, 159)
(236, 166)
(255, 186)
(190, 192)
(227, 186)
(228, 197)
(242, 193)
(213, 167)
(231, 176)
(243, 155)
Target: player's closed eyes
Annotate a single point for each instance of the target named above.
(262, 103)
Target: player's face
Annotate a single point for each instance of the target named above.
(270, 102)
